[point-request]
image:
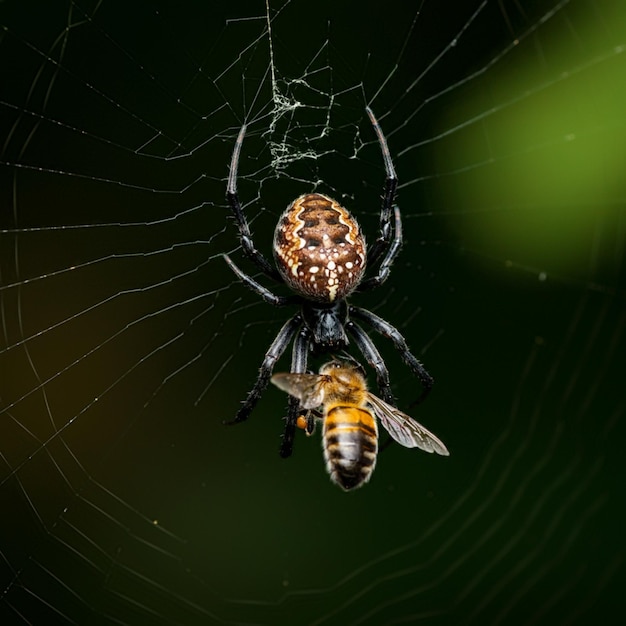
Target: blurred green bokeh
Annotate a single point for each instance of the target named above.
(540, 175)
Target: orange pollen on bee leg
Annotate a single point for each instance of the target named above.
(301, 422)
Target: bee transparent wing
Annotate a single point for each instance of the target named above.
(308, 388)
(404, 429)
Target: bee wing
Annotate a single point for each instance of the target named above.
(308, 388)
(404, 429)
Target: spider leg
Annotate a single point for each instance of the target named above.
(298, 366)
(375, 360)
(252, 284)
(275, 351)
(391, 185)
(399, 342)
(392, 252)
(245, 236)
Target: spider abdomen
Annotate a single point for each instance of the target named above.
(319, 248)
(350, 445)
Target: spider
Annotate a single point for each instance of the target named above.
(320, 254)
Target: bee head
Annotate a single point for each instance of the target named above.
(346, 364)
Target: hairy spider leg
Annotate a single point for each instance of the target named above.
(391, 332)
(383, 241)
(298, 366)
(298, 361)
(385, 266)
(375, 360)
(284, 337)
(245, 236)
(259, 289)
(386, 247)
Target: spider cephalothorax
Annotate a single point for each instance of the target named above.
(321, 256)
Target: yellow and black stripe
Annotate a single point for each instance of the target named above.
(350, 444)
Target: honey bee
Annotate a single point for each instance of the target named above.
(349, 413)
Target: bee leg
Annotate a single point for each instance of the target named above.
(312, 417)
(306, 420)
(298, 366)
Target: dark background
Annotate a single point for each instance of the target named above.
(126, 341)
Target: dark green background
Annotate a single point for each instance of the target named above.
(124, 499)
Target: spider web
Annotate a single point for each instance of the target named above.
(126, 341)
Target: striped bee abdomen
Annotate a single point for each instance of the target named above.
(350, 445)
